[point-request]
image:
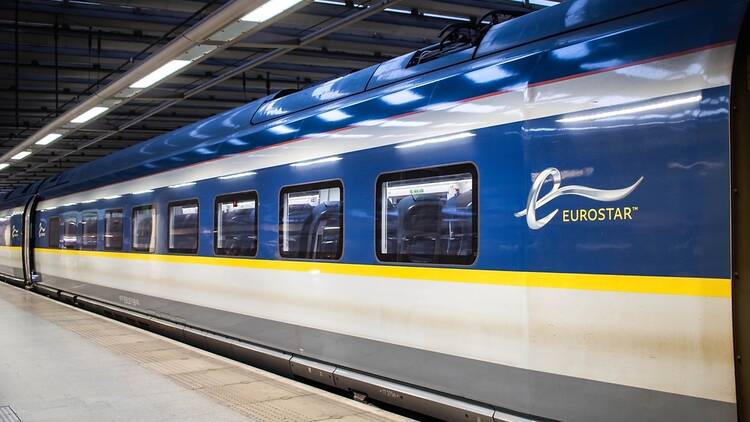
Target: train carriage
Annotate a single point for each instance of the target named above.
(543, 223)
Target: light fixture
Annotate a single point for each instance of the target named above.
(320, 161)
(21, 155)
(169, 68)
(70, 204)
(112, 197)
(449, 17)
(181, 185)
(268, 10)
(238, 175)
(4, 165)
(50, 138)
(90, 201)
(90, 114)
(142, 192)
(633, 110)
(437, 140)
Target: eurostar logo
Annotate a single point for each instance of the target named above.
(534, 202)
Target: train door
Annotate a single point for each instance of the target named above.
(740, 153)
(27, 245)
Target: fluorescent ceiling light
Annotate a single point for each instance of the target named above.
(70, 204)
(160, 73)
(439, 16)
(182, 185)
(92, 113)
(4, 165)
(50, 208)
(112, 197)
(90, 201)
(268, 10)
(238, 175)
(322, 160)
(21, 155)
(142, 192)
(633, 110)
(436, 140)
(402, 11)
(52, 137)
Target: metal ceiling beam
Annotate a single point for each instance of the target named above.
(317, 34)
(192, 37)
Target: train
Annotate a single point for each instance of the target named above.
(546, 220)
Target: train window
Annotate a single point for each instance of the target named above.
(144, 233)
(183, 227)
(53, 230)
(89, 221)
(428, 216)
(113, 230)
(312, 221)
(5, 231)
(70, 232)
(236, 224)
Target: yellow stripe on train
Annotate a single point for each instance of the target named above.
(687, 286)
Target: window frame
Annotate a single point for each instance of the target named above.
(183, 251)
(250, 194)
(154, 227)
(49, 237)
(82, 230)
(64, 219)
(424, 172)
(325, 184)
(122, 230)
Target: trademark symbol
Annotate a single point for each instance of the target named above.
(635, 208)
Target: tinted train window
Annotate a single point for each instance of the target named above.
(89, 220)
(70, 232)
(236, 224)
(5, 231)
(113, 230)
(144, 233)
(183, 227)
(428, 216)
(53, 229)
(312, 221)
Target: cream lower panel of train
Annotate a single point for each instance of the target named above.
(10, 258)
(674, 343)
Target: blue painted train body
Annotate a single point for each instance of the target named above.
(610, 95)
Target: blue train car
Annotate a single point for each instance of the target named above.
(546, 224)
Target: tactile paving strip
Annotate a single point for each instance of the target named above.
(8, 415)
(251, 392)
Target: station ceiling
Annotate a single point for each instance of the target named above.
(56, 53)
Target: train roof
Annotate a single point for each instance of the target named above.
(212, 137)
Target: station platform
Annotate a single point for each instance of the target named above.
(61, 363)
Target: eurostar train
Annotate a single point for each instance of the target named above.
(543, 219)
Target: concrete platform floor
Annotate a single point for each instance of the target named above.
(60, 363)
